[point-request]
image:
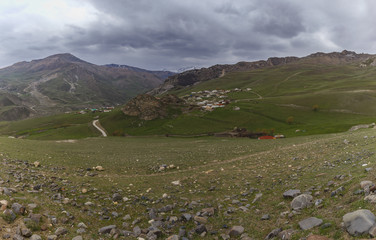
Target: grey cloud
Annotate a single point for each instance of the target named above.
(173, 34)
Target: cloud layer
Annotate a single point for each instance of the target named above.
(170, 34)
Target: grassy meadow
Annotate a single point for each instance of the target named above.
(344, 95)
(218, 172)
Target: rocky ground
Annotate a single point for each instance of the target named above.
(319, 187)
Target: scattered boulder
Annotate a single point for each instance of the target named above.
(106, 229)
(359, 222)
(291, 193)
(370, 198)
(309, 223)
(236, 231)
(35, 237)
(302, 201)
(274, 233)
(61, 231)
(366, 183)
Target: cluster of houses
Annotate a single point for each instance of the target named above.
(94, 110)
(209, 100)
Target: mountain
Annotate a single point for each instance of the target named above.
(63, 82)
(196, 76)
(159, 74)
(319, 93)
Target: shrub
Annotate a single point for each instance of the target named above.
(290, 120)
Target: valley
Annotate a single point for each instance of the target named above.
(158, 166)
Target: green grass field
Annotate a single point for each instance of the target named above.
(229, 166)
(345, 96)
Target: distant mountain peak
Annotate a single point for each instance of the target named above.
(68, 57)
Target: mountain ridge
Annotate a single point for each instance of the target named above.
(63, 82)
(195, 76)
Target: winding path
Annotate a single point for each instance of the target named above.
(97, 126)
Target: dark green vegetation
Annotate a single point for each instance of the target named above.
(212, 172)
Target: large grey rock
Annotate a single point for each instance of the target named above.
(359, 222)
(302, 201)
(309, 223)
(291, 193)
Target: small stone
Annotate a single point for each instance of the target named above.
(3, 204)
(173, 237)
(200, 229)
(18, 208)
(81, 225)
(309, 223)
(17, 237)
(273, 233)
(291, 193)
(187, 216)
(77, 238)
(366, 183)
(9, 215)
(51, 237)
(201, 220)
(236, 231)
(106, 229)
(326, 225)
(99, 168)
(35, 217)
(257, 197)
(286, 234)
(116, 197)
(176, 183)
(26, 232)
(265, 217)
(61, 231)
(35, 237)
(370, 198)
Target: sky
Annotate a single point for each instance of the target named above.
(174, 34)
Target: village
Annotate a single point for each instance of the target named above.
(209, 100)
(94, 110)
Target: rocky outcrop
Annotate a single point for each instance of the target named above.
(147, 107)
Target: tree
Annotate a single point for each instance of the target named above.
(290, 120)
(315, 108)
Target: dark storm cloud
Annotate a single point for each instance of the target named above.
(173, 34)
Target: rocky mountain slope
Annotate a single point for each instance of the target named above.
(196, 76)
(64, 82)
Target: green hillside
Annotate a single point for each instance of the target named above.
(344, 95)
